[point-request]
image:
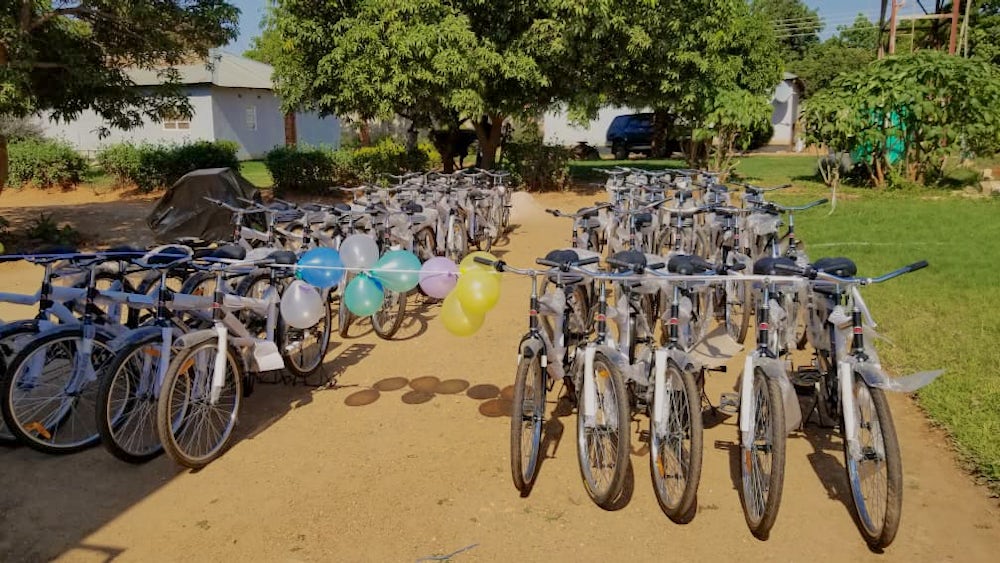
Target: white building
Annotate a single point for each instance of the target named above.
(233, 99)
(559, 130)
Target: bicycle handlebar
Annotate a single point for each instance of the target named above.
(813, 274)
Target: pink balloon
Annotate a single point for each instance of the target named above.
(438, 277)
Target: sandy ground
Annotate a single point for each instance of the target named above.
(406, 457)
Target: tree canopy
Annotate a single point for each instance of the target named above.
(68, 56)
(796, 25)
(852, 48)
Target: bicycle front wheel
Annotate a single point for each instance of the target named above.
(603, 435)
(762, 463)
(387, 320)
(526, 423)
(875, 471)
(304, 349)
(195, 423)
(675, 445)
(50, 391)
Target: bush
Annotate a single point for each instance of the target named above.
(536, 165)
(150, 166)
(388, 157)
(300, 169)
(44, 163)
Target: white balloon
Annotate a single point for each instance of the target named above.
(301, 305)
(359, 251)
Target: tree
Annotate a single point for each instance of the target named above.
(69, 56)
(431, 61)
(925, 105)
(796, 25)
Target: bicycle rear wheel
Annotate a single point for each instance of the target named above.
(50, 396)
(875, 473)
(526, 423)
(304, 349)
(603, 437)
(194, 428)
(762, 464)
(387, 320)
(13, 337)
(675, 446)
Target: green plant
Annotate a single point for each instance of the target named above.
(300, 169)
(534, 164)
(44, 163)
(48, 231)
(150, 166)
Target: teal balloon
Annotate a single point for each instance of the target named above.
(363, 296)
(321, 267)
(398, 270)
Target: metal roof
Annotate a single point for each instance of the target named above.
(221, 69)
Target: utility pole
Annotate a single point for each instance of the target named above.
(953, 38)
(881, 29)
(892, 26)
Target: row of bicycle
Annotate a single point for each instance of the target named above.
(153, 350)
(663, 308)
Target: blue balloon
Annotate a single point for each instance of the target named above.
(321, 267)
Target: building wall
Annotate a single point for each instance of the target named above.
(82, 133)
(783, 117)
(559, 131)
(230, 107)
(314, 130)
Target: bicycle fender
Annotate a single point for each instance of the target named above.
(775, 369)
(134, 336)
(682, 359)
(875, 377)
(59, 329)
(196, 337)
(531, 347)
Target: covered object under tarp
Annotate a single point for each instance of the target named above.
(183, 211)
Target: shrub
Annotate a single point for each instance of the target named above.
(387, 157)
(44, 163)
(536, 165)
(300, 169)
(150, 166)
(47, 231)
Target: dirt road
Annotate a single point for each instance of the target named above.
(406, 457)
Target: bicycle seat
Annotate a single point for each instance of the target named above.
(165, 255)
(342, 207)
(686, 265)
(410, 208)
(587, 212)
(635, 259)
(838, 266)
(684, 194)
(566, 257)
(312, 207)
(766, 266)
(125, 252)
(643, 220)
(229, 252)
(283, 257)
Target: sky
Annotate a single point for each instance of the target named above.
(832, 12)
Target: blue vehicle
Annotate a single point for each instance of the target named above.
(631, 133)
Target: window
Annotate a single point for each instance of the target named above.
(176, 122)
(252, 118)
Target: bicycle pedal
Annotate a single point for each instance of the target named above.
(729, 403)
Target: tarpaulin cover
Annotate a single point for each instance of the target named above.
(183, 211)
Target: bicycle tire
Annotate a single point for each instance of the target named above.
(13, 337)
(182, 405)
(344, 316)
(426, 245)
(684, 406)
(76, 409)
(457, 242)
(737, 310)
(877, 518)
(527, 414)
(612, 409)
(301, 365)
(387, 320)
(768, 425)
(127, 422)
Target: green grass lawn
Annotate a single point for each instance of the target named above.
(256, 173)
(942, 317)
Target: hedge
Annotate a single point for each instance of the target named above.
(149, 166)
(44, 163)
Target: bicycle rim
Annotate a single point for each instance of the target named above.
(194, 429)
(875, 473)
(676, 446)
(387, 320)
(48, 404)
(304, 349)
(527, 421)
(603, 443)
(763, 463)
(12, 343)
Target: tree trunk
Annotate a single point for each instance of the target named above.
(446, 142)
(411, 137)
(488, 132)
(663, 122)
(365, 133)
(4, 163)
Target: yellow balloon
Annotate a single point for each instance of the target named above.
(478, 292)
(458, 321)
(469, 264)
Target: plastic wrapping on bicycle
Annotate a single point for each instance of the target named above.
(165, 256)
(688, 265)
(769, 265)
(565, 259)
(628, 260)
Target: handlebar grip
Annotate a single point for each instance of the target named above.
(483, 261)
(618, 263)
(822, 201)
(737, 267)
(917, 266)
(549, 263)
(589, 261)
(656, 266)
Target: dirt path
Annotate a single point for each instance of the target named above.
(407, 457)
